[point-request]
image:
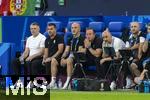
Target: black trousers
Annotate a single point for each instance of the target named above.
(110, 69)
(95, 61)
(33, 67)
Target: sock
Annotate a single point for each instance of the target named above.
(53, 80)
(68, 79)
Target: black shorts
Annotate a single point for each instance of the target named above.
(48, 65)
(139, 64)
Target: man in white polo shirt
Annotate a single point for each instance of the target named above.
(111, 46)
(35, 49)
(32, 56)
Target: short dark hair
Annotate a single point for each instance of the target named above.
(51, 24)
(90, 28)
(35, 23)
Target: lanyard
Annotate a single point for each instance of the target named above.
(75, 44)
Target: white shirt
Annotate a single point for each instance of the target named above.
(117, 44)
(35, 43)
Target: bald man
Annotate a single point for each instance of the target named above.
(144, 60)
(74, 44)
(111, 46)
(136, 41)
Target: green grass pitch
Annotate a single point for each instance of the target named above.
(82, 95)
(112, 95)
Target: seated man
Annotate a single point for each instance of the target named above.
(115, 44)
(74, 44)
(136, 41)
(146, 61)
(93, 50)
(33, 54)
(54, 46)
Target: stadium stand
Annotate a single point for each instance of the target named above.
(116, 28)
(98, 27)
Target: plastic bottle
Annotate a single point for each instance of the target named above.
(59, 84)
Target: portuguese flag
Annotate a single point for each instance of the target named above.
(22, 7)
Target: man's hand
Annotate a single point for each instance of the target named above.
(43, 62)
(30, 58)
(87, 43)
(48, 59)
(21, 58)
(102, 61)
(63, 62)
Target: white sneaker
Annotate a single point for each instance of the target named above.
(128, 83)
(55, 86)
(51, 86)
(65, 86)
(113, 85)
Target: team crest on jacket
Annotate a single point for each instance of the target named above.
(19, 6)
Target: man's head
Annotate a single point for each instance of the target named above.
(90, 34)
(34, 28)
(134, 27)
(51, 29)
(75, 28)
(107, 37)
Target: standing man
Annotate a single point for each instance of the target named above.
(54, 46)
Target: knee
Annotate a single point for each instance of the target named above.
(54, 61)
(69, 61)
(63, 62)
(133, 66)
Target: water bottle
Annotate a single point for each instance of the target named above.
(127, 44)
(59, 84)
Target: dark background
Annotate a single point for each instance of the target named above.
(100, 7)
